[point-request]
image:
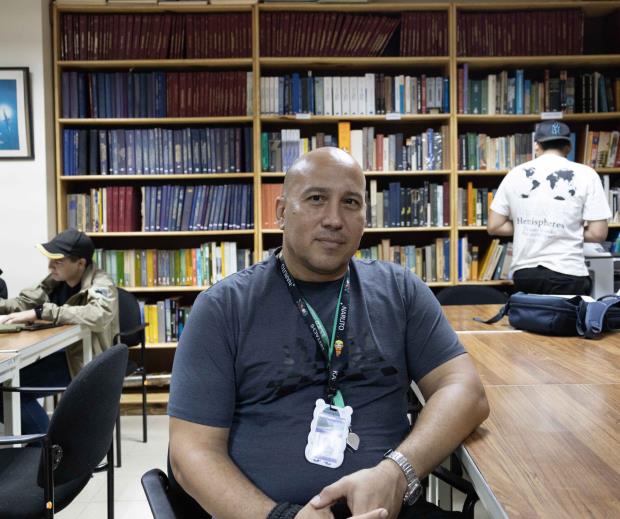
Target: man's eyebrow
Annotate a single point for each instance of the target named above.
(315, 189)
(323, 190)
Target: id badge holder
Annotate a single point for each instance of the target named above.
(327, 439)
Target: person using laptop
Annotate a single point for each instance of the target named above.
(76, 291)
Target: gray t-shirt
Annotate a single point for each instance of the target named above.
(247, 361)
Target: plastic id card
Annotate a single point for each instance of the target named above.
(327, 439)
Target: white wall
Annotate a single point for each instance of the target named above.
(27, 188)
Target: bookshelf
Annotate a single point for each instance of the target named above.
(254, 48)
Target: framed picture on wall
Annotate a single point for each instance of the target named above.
(15, 116)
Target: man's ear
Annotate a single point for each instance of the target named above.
(280, 210)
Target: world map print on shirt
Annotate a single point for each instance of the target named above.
(560, 183)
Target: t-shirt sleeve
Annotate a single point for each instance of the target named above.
(431, 341)
(500, 203)
(202, 388)
(596, 206)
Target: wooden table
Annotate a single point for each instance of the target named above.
(461, 318)
(551, 446)
(24, 348)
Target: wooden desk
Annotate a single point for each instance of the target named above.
(527, 358)
(551, 446)
(28, 347)
(461, 318)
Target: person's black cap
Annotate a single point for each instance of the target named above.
(552, 131)
(68, 243)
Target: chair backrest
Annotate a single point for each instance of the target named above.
(4, 293)
(129, 317)
(83, 422)
(471, 295)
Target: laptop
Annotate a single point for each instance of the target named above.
(30, 327)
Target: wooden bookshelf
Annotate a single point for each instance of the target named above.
(262, 65)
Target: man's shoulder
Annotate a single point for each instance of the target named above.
(379, 272)
(244, 280)
(97, 276)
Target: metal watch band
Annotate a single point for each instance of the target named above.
(414, 487)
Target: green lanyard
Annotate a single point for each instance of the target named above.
(329, 344)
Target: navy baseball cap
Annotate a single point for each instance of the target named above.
(552, 131)
(68, 243)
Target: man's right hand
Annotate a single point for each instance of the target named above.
(309, 512)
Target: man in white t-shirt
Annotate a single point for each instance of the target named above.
(551, 205)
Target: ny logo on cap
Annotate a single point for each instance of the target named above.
(555, 129)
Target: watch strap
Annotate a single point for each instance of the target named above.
(414, 487)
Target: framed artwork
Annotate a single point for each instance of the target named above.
(15, 116)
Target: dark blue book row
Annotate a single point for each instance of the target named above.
(197, 208)
(155, 94)
(113, 94)
(157, 151)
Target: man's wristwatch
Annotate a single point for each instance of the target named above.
(38, 310)
(414, 487)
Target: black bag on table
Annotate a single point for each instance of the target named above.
(556, 315)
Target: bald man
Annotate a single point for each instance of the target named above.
(289, 386)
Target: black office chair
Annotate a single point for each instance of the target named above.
(38, 481)
(167, 498)
(4, 293)
(132, 334)
(471, 295)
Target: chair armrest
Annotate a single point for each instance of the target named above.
(10, 389)
(155, 484)
(131, 331)
(456, 481)
(23, 438)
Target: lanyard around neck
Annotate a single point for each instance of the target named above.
(327, 346)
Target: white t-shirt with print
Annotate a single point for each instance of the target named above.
(548, 199)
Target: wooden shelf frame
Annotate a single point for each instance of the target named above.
(263, 65)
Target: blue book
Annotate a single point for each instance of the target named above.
(138, 151)
(250, 202)
(394, 203)
(146, 197)
(83, 99)
(573, 145)
(172, 202)
(187, 207)
(519, 88)
(156, 222)
(130, 144)
(446, 259)
(67, 140)
(311, 94)
(445, 101)
(296, 93)
(281, 92)
(131, 107)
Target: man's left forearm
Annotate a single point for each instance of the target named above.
(451, 413)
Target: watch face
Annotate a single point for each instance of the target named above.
(415, 494)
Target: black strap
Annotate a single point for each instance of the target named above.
(336, 362)
(502, 312)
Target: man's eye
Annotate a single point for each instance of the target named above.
(352, 202)
(316, 198)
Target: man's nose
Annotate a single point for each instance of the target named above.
(332, 217)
